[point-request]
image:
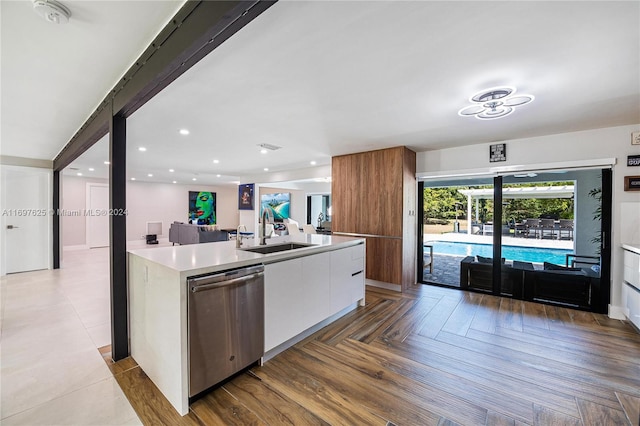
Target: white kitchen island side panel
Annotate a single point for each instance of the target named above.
(159, 328)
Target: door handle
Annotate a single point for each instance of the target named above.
(12, 227)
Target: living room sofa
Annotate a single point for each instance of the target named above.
(184, 233)
(574, 287)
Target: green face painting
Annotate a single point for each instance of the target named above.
(204, 208)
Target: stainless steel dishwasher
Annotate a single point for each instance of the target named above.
(226, 325)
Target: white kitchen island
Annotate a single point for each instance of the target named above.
(631, 284)
(304, 289)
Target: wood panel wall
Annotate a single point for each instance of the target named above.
(374, 195)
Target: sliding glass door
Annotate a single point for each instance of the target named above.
(541, 236)
(456, 231)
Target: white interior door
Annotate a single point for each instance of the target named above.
(97, 215)
(26, 219)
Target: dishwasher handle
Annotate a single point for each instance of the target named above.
(203, 287)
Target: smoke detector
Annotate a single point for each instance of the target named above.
(52, 11)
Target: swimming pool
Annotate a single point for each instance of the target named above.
(523, 254)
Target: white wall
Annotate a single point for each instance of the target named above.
(146, 202)
(558, 151)
(73, 195)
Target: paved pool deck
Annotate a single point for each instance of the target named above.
(446, 268)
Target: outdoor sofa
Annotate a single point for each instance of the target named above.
(574, 287)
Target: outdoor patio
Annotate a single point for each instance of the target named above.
(446, 267)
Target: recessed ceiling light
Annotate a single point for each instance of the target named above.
(217, 175)
(266, 169)
(142, 148)
(175, 181)
(194, 179)
(171, 170)
(79, 174)
(313, 163)
(133, 178)
(91, 169)
(216, 161)
(184, 132)
(107, 163)
(150, 175)
(263, 151)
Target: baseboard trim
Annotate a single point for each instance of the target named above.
(618, 312)
(382, 284)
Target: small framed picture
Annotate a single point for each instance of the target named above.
(498, 152)
(632, 183)
(245, 196)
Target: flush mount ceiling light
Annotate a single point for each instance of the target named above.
(52, 11)
(494, 103)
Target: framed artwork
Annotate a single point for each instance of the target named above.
(245, 196)
(277, 203)
(202, 208)
(498, 152)
(632, 183)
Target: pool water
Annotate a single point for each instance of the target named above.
(523, 254)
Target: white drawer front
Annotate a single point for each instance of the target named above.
(632, 268)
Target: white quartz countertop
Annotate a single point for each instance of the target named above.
(207, 257)
(634, 247)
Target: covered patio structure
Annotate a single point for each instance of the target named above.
(475, 195)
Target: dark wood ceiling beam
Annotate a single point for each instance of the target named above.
(196, 30)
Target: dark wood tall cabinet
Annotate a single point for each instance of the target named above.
(374, 196)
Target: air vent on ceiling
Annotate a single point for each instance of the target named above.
(73, 168)
(269, 146)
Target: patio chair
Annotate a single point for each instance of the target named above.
(565, 226)
(532, 226)
(520, 229)
(548, 227)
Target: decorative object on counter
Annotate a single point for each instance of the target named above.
(320, 219)
(245, 196)
(632, 183)
(202, 208)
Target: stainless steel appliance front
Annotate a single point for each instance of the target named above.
(226, 325)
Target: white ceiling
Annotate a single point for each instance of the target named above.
(321, 78)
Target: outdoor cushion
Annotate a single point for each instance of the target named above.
(553, 267)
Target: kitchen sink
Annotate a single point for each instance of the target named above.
(274, 248)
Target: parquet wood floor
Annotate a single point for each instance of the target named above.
(431, 356)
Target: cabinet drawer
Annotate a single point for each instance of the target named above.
(633, 304)
(632, 268)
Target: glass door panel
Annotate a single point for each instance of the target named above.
(457, 233)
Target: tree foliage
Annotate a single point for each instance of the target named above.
(449, 203)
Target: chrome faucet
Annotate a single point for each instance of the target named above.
(267, 216)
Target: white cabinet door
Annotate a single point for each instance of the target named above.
(316, 302)
(347, 277)
(632, 268)
(282, 296)
(633, 304)
(296, 297)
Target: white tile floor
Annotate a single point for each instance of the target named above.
(52, 323)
